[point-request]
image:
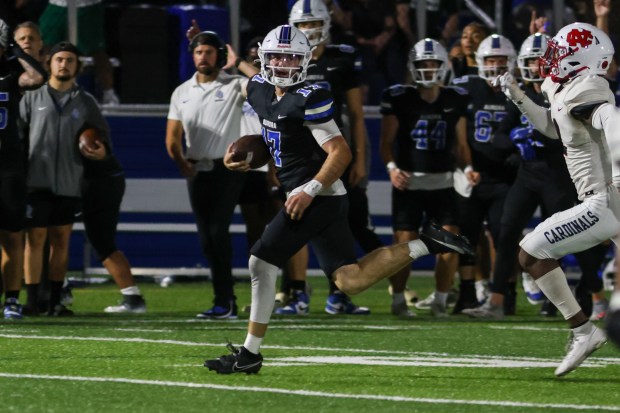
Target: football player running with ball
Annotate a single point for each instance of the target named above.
(582, 114)
(310, 156)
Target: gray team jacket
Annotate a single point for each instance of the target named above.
(54, 160)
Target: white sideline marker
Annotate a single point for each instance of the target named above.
(311, 393)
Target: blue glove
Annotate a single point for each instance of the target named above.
(522, 139)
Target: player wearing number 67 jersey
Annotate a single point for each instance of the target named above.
(310, 155)
(486, 109)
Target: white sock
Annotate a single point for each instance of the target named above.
(263, 276)
(556, 288)
(584, 329)
(252, 343)
(398, 298)
(441, 298)
(417, 249)
(133, 290)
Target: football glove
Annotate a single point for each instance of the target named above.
(522, 139)
(509, 86)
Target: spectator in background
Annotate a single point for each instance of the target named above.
(52, 116)
(28, 36)
(382, 46)
(15, 74)
(442, 20)
(207, 110)
(464, 63)
(91, 38)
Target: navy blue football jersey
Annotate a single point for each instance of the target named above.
(337, 70)
(296, 154)
(486, 109)
(12, 149)
(425, 138)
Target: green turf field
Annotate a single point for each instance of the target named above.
(317, 363)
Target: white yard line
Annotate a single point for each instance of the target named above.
(307, 393)
(398, 355)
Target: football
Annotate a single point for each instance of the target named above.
(89, 138)
(251, 148)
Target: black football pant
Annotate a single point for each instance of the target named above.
(213, 196)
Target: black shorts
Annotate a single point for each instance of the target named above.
(101, 203)
(12, 201)
(324, 225)
(46, 209)
(409, 208)
(255, 189)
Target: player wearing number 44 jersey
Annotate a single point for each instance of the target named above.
(423, 132)
(583, 115)
(310, 156)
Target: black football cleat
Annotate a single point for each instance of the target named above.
(438, 241)
(240, 361)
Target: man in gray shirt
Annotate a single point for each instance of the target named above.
(52, 116)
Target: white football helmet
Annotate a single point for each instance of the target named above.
(291, 47)
(578, 49)
(533, 47)
(310, 11)
(495, 45)
(428, 49)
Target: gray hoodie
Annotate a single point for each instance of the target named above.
(54, 161)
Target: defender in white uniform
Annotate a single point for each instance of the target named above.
(579, 115)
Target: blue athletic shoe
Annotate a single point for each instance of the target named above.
(218, 312)
(298, 304)
(12, 309)
(340, 303)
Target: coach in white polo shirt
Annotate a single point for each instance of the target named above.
(207, 110)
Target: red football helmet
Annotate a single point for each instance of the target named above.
(578, 49)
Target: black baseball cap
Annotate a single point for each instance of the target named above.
(64, 47)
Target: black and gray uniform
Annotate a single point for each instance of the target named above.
(298, 158)
(424, 146)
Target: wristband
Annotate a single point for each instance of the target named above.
(391, 166)
(238, 61)
(468, 169)
(313, 187)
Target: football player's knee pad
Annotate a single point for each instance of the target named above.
(264, 277)
(467, 260)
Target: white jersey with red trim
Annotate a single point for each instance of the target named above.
(586, 150)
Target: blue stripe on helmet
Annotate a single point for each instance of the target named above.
(307, 8)
(537, 42)
(285, 35)
(428, 46)
(495, 42)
